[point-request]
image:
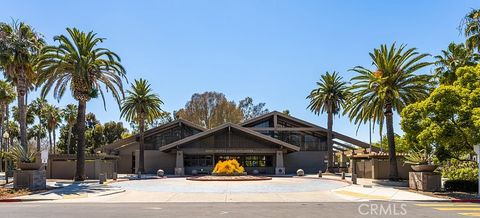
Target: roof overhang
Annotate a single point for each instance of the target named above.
(230, 126)
(132, 140)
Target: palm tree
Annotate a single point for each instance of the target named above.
(19, 49)
(53, 119)
(470, 26)
(38, 107)
(329, 97)
(7, 96)
(391, 86)
(450, 60)
(140, 106)
(79, 64)
(69, 115)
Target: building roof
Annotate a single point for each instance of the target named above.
(132, 140)
(314, 128)
(227, 126)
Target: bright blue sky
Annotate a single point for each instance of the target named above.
(272, 51)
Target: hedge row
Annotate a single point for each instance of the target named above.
(461, 185)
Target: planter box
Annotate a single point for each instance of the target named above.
(424, 181)
(30, 179)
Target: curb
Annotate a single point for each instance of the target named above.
(465, 200)
(13, 200)
(112, 193)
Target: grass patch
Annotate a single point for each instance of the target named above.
(6, 193)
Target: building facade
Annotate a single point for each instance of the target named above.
(273, 143)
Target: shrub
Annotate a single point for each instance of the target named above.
(228, 167)
(461, 185)
(461, 176)
(460, 170)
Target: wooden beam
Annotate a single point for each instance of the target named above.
(310, 129)
(344, 145)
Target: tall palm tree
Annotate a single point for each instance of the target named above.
(80, 64)
(470, 26)
(53, 119)
(329, 97)
(19, 49)
(69, 114)
(141, 105)
(392, 85)
(38, 107)
(450, 60)
(7, 96)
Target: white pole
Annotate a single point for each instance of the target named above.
(477, 151)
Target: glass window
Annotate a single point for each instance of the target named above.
(198, 160)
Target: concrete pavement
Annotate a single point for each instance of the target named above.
(182, 190)
(274, 210)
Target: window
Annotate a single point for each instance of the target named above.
(258, 161)
(249, 160)
(198, 160)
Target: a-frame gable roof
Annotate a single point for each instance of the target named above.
(133, 139)
(233, 126)
(305, 123)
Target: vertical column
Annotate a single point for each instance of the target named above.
(343, 160)
(97, 168)
(179, 170)
(279, 167)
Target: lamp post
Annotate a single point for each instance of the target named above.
(6, 136)
(477, 151)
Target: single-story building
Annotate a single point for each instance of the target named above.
(274, 143)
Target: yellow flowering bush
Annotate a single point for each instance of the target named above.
(228, 167)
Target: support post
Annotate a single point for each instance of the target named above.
(279, 167)
(179, 169)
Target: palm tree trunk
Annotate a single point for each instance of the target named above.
(392, 157)
(54, 141)
(22, 111)
(80, 130)
(69, 138)
(1, 136)
(39, 132)
(141, 159)
(50, 141)
(330, 141)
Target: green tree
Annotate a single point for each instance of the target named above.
(449, 119)
(80, 64)
(70, 116)
(38, 107)
(471, 29)
(210, 109)
(94, 138)
(401, 145)
(113, 131)
(53, 118)
(36, 131)
(250, 110)
(19, 49)
(391, 86)
(7, 96)
(450, 60)
(30, 115)
(13, 130)
(328, 97)
(140, 106)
